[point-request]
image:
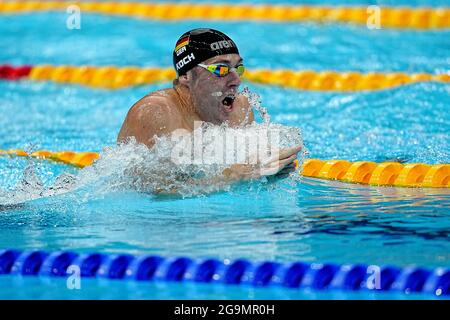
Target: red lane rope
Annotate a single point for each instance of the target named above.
(14, 73)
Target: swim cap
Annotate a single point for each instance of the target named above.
(198, 45)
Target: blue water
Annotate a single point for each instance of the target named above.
(310, 220)
(112, 289)
(340, 47)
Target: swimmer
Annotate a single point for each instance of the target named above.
(209, 70)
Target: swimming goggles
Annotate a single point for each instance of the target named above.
(221, 70)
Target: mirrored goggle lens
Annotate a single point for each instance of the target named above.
(240, 70)
(223, 70)
(218, 70)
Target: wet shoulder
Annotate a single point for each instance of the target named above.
(158, 103)
(156, 100)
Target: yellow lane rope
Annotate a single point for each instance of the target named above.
(363, 172)
(112, 77)
(390, 17)
(78, 159)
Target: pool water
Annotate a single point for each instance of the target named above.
(289, 220)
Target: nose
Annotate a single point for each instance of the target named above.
(234, 79)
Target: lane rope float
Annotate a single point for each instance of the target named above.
(362, 172)
(314, 276)
(389, 17)
(112, 77)
(77, 159)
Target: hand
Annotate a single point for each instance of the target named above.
(284, 173)
(281, 165)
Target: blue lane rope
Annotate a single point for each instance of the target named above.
(314, 276)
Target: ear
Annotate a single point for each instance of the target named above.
(184, 79)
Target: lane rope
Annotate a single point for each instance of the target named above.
(362, 172)
(111, 77)
(314, 276)
(389, 17)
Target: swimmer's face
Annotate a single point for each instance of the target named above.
(214, 96)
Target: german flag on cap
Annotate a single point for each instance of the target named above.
(181, 43)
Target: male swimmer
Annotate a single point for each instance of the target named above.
(209, 70)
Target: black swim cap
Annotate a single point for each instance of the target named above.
(198, 45)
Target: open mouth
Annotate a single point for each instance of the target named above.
(227, 102)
